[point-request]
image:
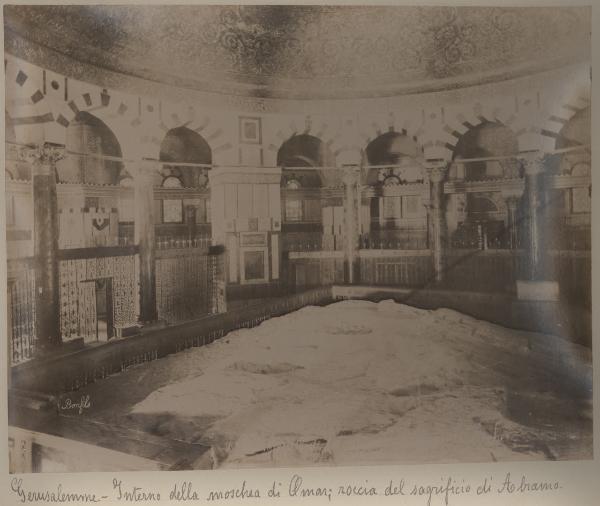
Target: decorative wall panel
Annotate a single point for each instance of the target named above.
(21, 313)
(78, 294)
(183, 285)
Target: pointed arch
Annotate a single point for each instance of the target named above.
(301, 152)
(487, 139)
(304, 150)
(393, 148)
(88, 139)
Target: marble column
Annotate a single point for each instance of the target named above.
(512, 198)
(436, 173)
(144, 237)
(534, 169)
(536, 286)
(351, 179)
(45, 241)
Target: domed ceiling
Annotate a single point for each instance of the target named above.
(301, 51)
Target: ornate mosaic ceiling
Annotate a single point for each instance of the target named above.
(301, 51)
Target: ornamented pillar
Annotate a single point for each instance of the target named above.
(351, 179)
(436, 172)
(45, 240)
(512, 197)
(536, 287)
(144, 237)
(534, 168)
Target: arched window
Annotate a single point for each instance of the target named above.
(293, 184)
(126, 182)
(91, 140)
(172, 209)
(182, 145)
(293, 206)
(172, 182)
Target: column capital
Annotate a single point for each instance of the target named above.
(45, 154)
(436, 170)
(533, 163)
(350, 174)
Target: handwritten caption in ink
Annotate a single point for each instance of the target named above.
(444, 492)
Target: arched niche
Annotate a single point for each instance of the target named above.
(393, 149)
(488, 139)
(299, 153)
(180, 146)
(88, 140)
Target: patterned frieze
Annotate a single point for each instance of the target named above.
(436, 120)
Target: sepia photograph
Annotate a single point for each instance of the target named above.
(288, 236)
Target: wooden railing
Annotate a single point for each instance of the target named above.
(408, 268)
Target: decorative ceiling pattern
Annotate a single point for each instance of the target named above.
(303, 51)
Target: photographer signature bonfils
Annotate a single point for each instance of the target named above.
(69, 405)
